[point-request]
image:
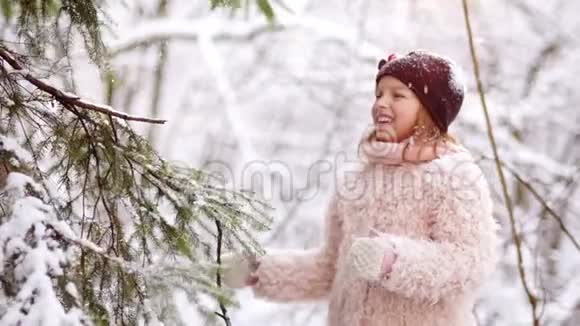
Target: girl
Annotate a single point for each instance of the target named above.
(413, 248)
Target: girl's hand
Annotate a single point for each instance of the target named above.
(371, 259)
(239, 270)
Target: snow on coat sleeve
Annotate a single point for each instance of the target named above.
(303, 274)
(461, 250)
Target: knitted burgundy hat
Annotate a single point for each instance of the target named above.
(434, 79)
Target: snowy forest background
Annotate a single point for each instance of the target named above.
(281, 99)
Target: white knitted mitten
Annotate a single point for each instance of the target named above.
(237, 269)
(366, 258)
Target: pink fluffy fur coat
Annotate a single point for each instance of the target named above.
(439, 217)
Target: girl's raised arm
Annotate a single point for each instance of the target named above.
(303, 274)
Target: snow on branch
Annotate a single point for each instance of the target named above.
(67, 98)
(33, 257)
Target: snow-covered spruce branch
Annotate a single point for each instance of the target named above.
(35, 287)
(151, 273)
(114, 192)
(69, 99)
(32, 235)
(187, 271)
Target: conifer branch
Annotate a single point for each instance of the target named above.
(224, 311)
(70, 99)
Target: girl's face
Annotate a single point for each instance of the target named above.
(396, 110)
